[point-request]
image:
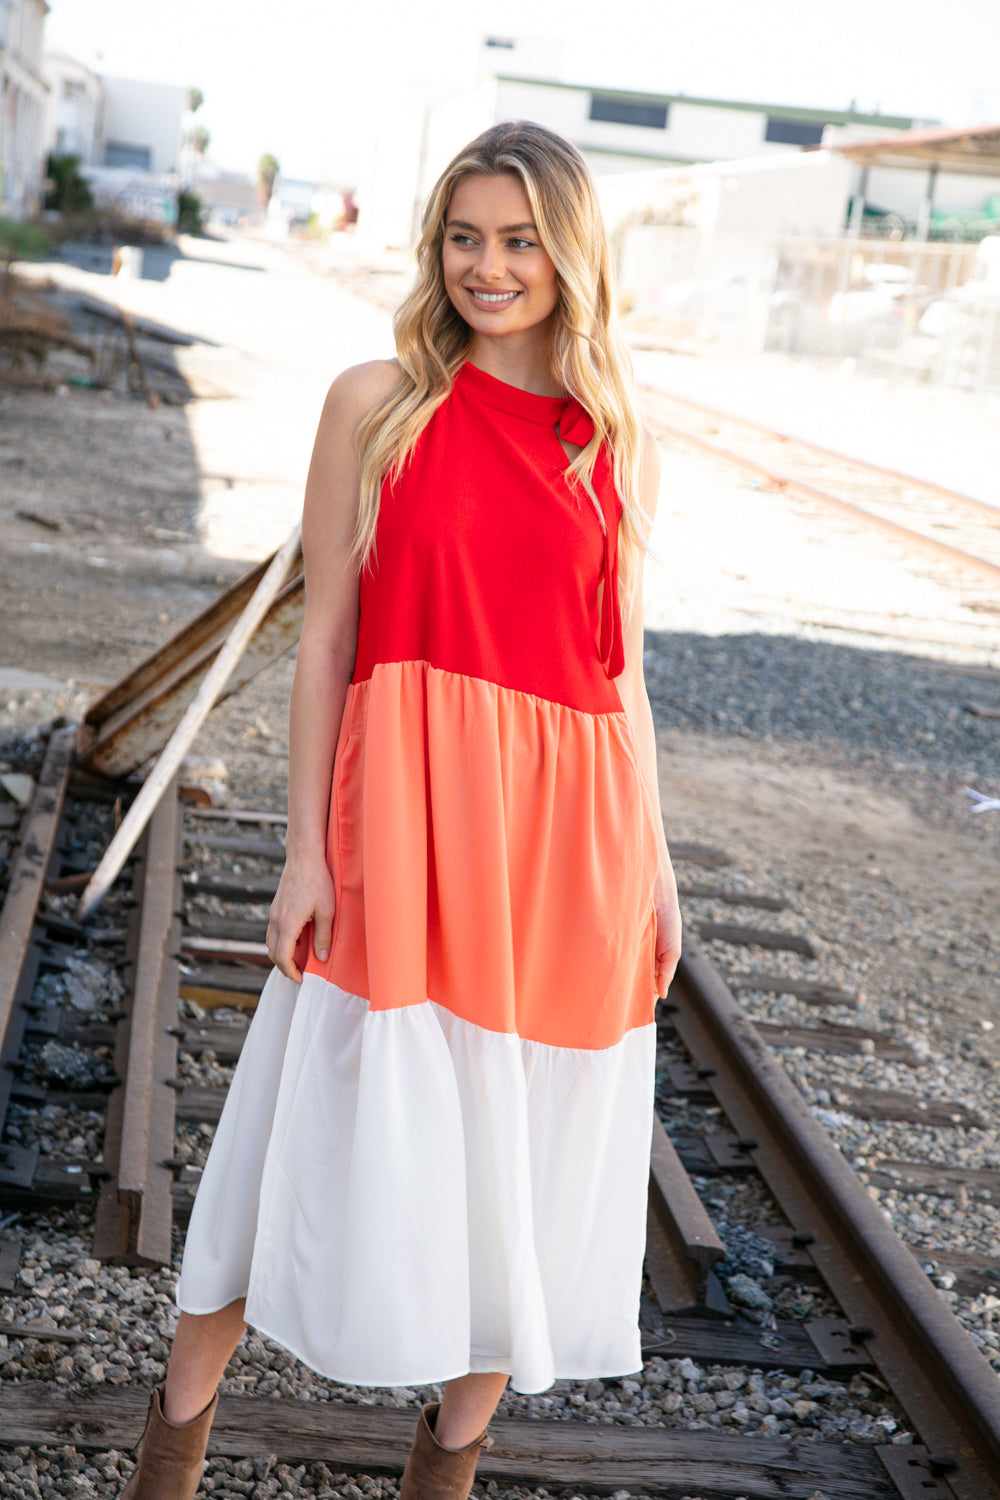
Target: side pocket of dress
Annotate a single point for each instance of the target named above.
(343, 849)
(645, 802)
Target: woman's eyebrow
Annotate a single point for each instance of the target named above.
(506, 229)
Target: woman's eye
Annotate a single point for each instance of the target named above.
(461, 239)
(517, 244)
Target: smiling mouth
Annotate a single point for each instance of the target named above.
(497, 299)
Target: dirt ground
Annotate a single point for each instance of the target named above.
(119, 522)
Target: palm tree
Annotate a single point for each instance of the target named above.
(267, 170)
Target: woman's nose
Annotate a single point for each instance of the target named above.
(490, 263)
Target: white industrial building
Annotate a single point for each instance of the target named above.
(617, 130)
(23, 95)
(142, 125)
(112, 122)
(126, 133)
(74, 124)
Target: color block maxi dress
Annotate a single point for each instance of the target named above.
(434, 1154)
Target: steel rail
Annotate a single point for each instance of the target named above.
(36, 841)
(943, 1383)
(906, 534)
(972, 502)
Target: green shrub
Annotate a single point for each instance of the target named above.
(68, 191)
(189, 213)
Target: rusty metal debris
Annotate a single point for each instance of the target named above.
(213, 681)
(130, 723)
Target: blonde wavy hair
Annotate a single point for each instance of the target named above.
(589, 358)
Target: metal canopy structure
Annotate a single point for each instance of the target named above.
(974, 149)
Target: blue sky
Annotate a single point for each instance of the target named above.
(313, 81)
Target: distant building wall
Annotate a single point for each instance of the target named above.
(23, 96)
(74, 119)
(617, 130)
(142, 125)
(228, 197)
(715, 225)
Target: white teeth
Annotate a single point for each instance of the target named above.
(494, 296)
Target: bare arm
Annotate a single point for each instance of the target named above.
(635, 700)
(325, 661)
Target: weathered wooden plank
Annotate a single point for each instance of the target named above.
(754, 937)
(847, 1040)
(225, 1041)
(940, 1178)
(60, 1182)
(231, 950)
(788, 1347)
(602, 1458)
(224, 843)
(10, 1256)
(698, 854)
(974, 1274)
(231, 978)
(121, 743)
(44, 1333)
(807, 990)
(231, 887)
(216, 998)
(239, 815)
(200, 1104)
(234, 929)
(894, 1104)
(208, 628)
(731, 898)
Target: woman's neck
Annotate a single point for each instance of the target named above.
(526, 364)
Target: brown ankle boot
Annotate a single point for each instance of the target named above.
(172, 1455)
(436, 1473)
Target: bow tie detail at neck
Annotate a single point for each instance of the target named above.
(577, 426)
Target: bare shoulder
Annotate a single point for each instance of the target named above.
(359, 389)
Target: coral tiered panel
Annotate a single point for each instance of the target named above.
(434, 1155)
(491, 851)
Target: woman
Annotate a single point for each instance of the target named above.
(432, 1163)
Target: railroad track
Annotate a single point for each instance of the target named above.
(184, 926)
(955, 529)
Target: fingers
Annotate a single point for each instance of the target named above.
(322, 931)
(281, 949)
(665, 967)
(287, 940)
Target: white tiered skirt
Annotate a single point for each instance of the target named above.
(404, 1197)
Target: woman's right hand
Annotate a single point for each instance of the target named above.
(304, 895)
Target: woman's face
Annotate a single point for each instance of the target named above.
(495, 271)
